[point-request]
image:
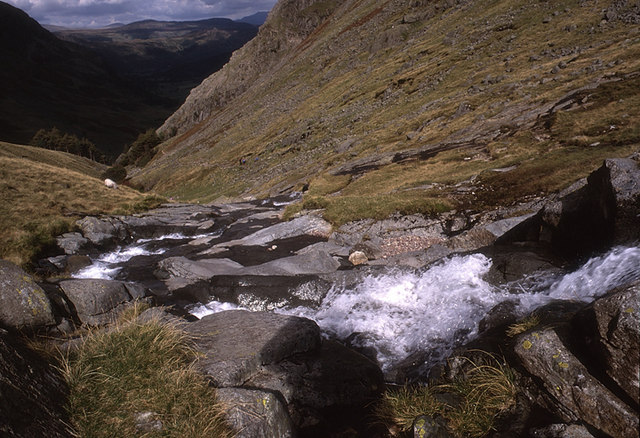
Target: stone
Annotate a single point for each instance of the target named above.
(23, 303)
(616, 317)
(426, 426)
(102, 233)
(255, 413)
(71, 243)
(96, 302)
(147, 422)
(561, 431)
(235, 344)
(334, 378)
(358, 258)
(570, 384)
(74, 263)
(318, 262)
(33, 393)
(182, 267)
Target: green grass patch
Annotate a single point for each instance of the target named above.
(343, 209)
(470, 404)
(134, 368)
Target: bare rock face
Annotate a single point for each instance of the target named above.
(32, 393)
(576, 392)
(24, 305)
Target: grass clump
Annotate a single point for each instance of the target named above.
(137, 368)
(469, 404)
(522, 326)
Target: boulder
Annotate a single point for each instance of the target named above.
(97, 302)
(71, 243)
(255, 414)
(184, 268)
(615, 323)
(235, 344)
(102, 233)
(561, 431)
(32, 393)
(570, 384)
(23, 304)
(317, 262)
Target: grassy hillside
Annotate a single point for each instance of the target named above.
(472, 103)
(43, 192)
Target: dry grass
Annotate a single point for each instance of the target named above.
(473, 401)
(43, 192)
(135, 368)
(522, 326)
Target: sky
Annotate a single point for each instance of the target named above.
(98, 13)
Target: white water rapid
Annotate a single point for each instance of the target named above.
(435, 310)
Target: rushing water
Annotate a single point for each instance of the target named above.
(403, 312)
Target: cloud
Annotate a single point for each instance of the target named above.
(92, 13)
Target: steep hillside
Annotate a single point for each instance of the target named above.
(44, 191)
(45, 82)
(165, 58)
(475, 102)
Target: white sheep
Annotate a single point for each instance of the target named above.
(110, 183)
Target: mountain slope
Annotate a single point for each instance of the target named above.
(481, 102)
(45, 82)
(166, 58)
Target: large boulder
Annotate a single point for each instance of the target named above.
(236, 343)
(32, 393)
(612, 325)
(98, 302)
(255, 414)
(23, 304)
(71, 243)
(102, 232)
(578, 394)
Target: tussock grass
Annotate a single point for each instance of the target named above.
(470, 404)
(135, 368)
(522, 326)
(43, 192)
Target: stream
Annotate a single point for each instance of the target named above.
(397, 311)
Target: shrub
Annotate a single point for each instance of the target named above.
(59, 141)
(141, 151)
(115, 173)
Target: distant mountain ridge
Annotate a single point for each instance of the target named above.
(256, 19)
(109, 89)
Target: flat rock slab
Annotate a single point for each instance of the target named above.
(236, 343)
(23, 303)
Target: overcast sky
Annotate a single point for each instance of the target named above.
(97, 13)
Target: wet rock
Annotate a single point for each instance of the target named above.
(96, 302)
(74, 263)
(236, 343)
(33, 393)
(255, 414)
(572, 387)
(23, 304)
(182, 271)
(305, 225)
(317, 262)
(500, 315)
(71, 243)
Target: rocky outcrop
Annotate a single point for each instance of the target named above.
(32, 393)
(99, 302)
(23, 303)
(284, 356)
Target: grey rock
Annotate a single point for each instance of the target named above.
(618, 323)
(33, 392)
(561, 431)
(71, 243)
(255, 414)
(570, 384)
(426, 426)
(23, 304)
(301, 226)
(358, 258)
(147, 422)
(100, 232)
(305, 264)
(74, 263)
(329, 247)
(184, 268)
(236, 344)
(96, 302)
(333, 378)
